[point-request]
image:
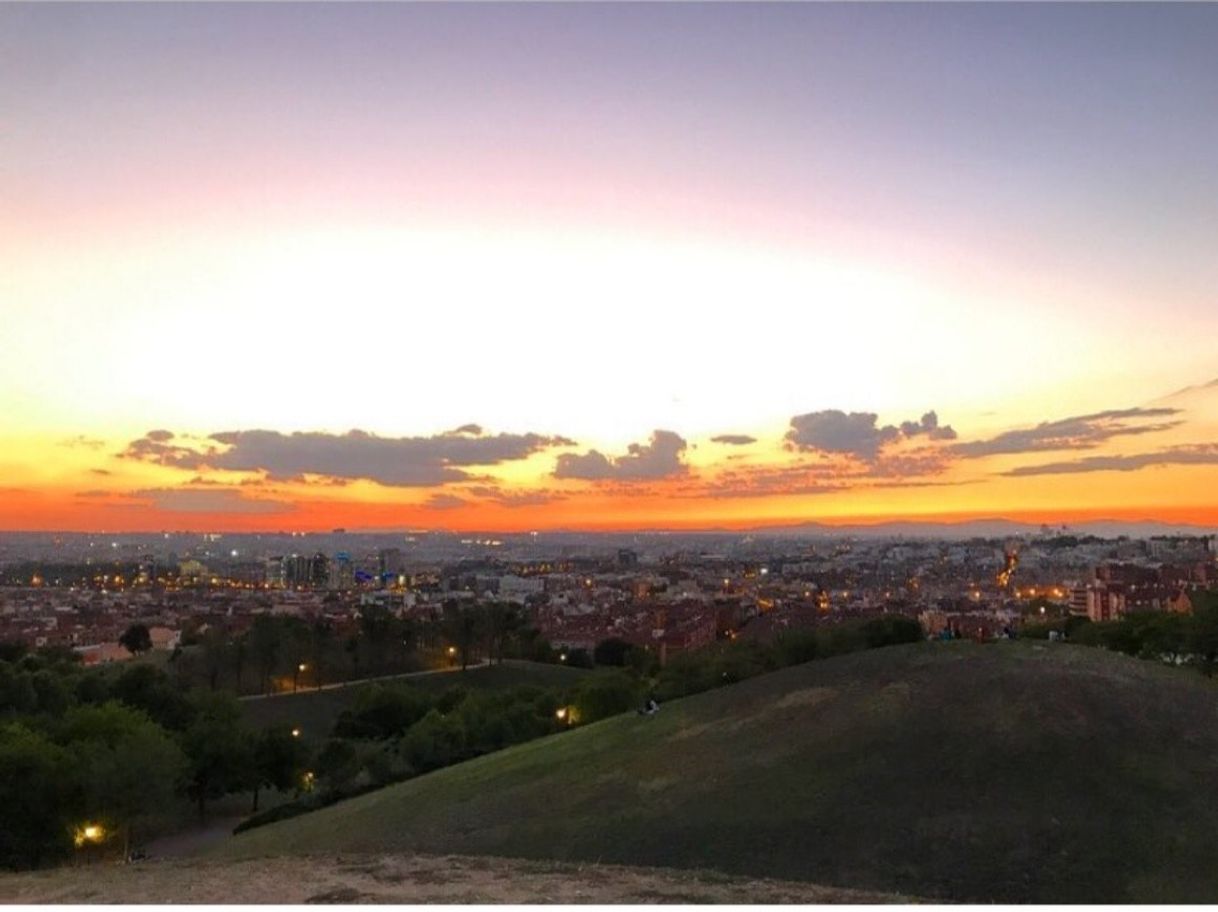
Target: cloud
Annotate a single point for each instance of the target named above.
(1081, 432)
(823, 477)
(221, 500)
(856, 433)
(1188, 454)
(928, 426)
(153, 447)
(734, 439)
(514, 499)
(444, 502)
(393, 461)
(80, 440)
(659, 458)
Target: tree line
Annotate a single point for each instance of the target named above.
(92, 756)
(280, 652)
(1176, 639)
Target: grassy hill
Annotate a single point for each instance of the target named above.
(314, 711)
(1011, 772)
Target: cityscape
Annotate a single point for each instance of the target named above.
(666, 593)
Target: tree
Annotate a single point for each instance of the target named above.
(238, 651)
(1166, 638)
(131, 766)
(795, 647)
(215, 649)
(136, 639)
(502, 620)
(612, 651)
(279, 760)
(462, 626)
(376, 627)
(218, 750)
(265, 643)
(151, 690)
(434, 741)
(37, 800)
(321, 637)
(890, 630)
(606, 693)
(382, 712)
(337, 764)
(1203, 638)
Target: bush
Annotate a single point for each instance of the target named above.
(795, 647)
(741, 660)
(891, 630)
(842, 639)
(612, 652)
(382, 712)
(434, 741)
(607, 693)
(685, 674)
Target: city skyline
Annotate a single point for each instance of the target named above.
(605, 267)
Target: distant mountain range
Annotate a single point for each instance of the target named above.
(990, 528)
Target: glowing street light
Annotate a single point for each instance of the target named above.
(89, 832)
(296, 733)
(561, 713)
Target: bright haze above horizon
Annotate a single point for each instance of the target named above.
(606, 266)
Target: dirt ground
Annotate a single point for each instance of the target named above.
(403, 879)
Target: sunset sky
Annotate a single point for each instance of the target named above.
(509, 267)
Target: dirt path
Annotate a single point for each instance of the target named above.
(192, 841)
(404, 879)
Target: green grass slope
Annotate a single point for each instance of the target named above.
(1011, 772)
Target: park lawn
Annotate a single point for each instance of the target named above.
(1013, 772)
(315, 711)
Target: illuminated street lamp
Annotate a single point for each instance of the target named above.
(561, 713)
(562, 657)
(300, 669)
(296, 733)
(88, 833)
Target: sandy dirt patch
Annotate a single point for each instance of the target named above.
(403, 879)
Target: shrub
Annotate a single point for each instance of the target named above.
(612, 652)
(607, 693)
(337, 764)
(434, 741)
(795, 647)
(891, 630)
(382, 712)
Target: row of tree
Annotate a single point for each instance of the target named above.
(1177, 639)
(278, 651)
